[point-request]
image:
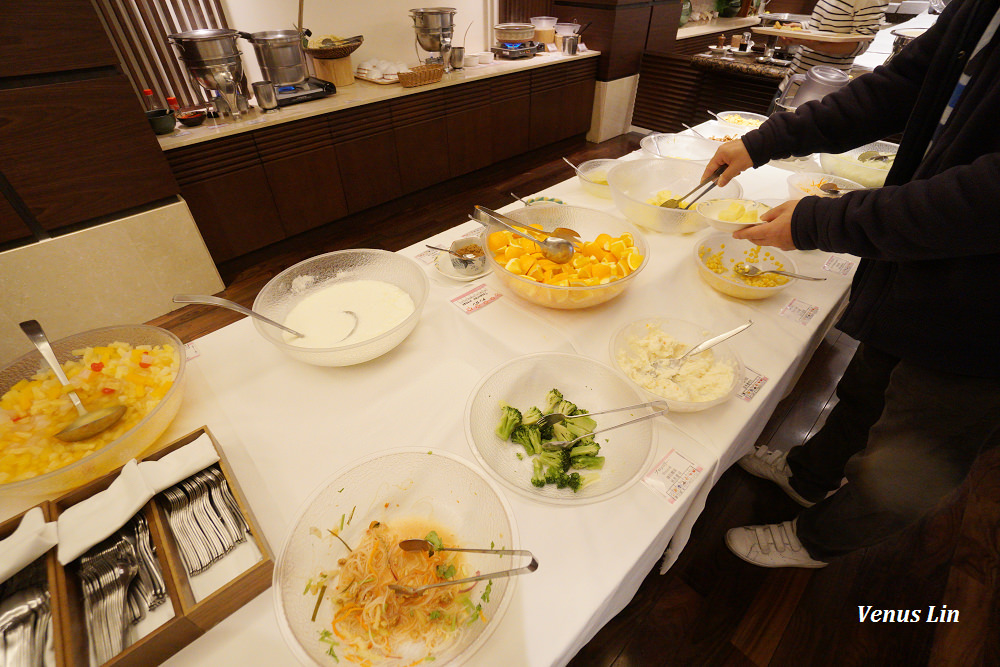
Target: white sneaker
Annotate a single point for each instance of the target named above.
(774, 545)
(770, 464)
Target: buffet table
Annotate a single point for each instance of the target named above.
(286, 427)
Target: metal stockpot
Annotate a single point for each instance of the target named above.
(208, 72)
(206, 44)
(279, 54)
(437, 18)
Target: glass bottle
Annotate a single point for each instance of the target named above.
(150, 102)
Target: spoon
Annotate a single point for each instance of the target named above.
(468, 257)
(555, 248)
(713, 179)
(232, 305)
(696, 132)
(875, 156)
(749, 270)
(575, 168)
(677, 362)
(836, 191)
(424, 545)
(89, 423)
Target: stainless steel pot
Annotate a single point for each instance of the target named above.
(279, 54)
(207, 73)
(433, 18)
(514, 32)
(903, 36)
(206, 44)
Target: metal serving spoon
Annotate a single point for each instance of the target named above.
(89, 423)
(696, 132)
(424, 545)
(557, 249)
(836, 190)
(232, 305)
(468, 257)
(749, 270)
(677, 362)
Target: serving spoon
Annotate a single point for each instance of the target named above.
(89, 422)
(749, 270)
(676, 362)
(554, 248)
(424, 545)
(232, 305)
(468, 257)
(836, 191)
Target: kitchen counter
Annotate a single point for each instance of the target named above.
(715, 25)
(357, 94)
(738, 65)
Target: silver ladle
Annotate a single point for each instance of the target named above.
(90, 422)
(232, 305)
(424, 545)
(559, 250)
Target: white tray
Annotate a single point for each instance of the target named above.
(815, 35)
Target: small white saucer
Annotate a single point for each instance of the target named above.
(443, 265)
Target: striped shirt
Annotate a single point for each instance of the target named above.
(841, 16)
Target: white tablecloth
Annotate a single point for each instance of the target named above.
(286, 426)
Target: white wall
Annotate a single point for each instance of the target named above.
(385, 24)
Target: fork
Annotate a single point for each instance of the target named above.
(556, 417)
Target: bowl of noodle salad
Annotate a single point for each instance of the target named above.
(332, 576)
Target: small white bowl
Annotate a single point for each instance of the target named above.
(806, 183)
(711, 210)
(593, 175)
(566, 28)
(744, 120)
(485, 57)
(678, 146)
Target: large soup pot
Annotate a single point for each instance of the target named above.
(280, 55)
(209, 44)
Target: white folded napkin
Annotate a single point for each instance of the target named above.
(88, 522)
(180, 464)
(33, 537)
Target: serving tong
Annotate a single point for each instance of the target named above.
(121, 581)
(25, 615)
(204, 517)
(424, 545)
(555, 248)
(711, 181)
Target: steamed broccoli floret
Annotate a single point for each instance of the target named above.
(585, 448)
(531, 416)
(578, 430)
(588, 462)
(552, 399)
(510, 418)
(530, 437)
(558, 459)
(583, 422)
(561, 432)
(546, 432)
(565, 407)
(538, 477)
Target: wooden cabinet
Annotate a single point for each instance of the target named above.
(468, 125)
(300, 163)
(562, 99)
(366, 155)
(420, 132)
(12, 227)
(510, 115)
(226, 188)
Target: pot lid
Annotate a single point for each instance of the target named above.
(203, 34)
(827, 75)
(434, 10)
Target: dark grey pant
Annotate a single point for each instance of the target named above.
(903, 436)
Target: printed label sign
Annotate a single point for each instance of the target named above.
(838, 265)
(799, 311)
(476, 298)
(191, 352)
(428, 256)
(752, 382)
(672, 476)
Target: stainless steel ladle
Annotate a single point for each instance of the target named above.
(90, 422)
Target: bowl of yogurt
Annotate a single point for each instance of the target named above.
(703, 381)
(350, 306)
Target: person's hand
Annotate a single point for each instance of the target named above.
(734, 155)
(775, 230)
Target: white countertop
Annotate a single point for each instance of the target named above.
(285, 427)
(357, 94)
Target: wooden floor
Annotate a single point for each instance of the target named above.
(712, 608)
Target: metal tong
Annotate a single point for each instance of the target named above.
(713, 179)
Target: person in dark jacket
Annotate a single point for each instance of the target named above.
(921, 397)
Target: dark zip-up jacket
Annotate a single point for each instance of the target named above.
(928, 286)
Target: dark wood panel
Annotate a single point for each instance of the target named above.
(306, 189)
(618, 31)
(578, 106)
(466, 149)
(235, 212)
(369, 170)
(664, 19)
(422, 151)
(51, 36)
(288, 139)
(546, 122)
(75, 151)
(12, 228)
(510, 123)
(210, 158)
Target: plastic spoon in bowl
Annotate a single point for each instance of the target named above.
(749, 270)
(89, 422)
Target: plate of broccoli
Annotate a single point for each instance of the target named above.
(509, 435)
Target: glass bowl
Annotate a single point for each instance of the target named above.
(524, 382)
(635, 182)
(693, 395)
(283, 292)
(396, 487)
(869, 174)
(588, 223)
(543, 22)
(742, 120)
(593, 176)
(678, 146)
(711, 210)
(566, 28)
(129, 437)
(738, 250)
(806, 183)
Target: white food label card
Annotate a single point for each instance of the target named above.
(839, 265)
(799, 311)
(672, 476)
(476, 298)
(752, 382)
(191, 352)
(428, 256)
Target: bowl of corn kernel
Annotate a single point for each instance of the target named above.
(611, 254)
(138, 366)
(716, 255)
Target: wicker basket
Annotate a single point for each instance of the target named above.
(421, 75)
(339, 50)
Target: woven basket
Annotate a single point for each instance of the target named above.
(340, 50)
(421, 75)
